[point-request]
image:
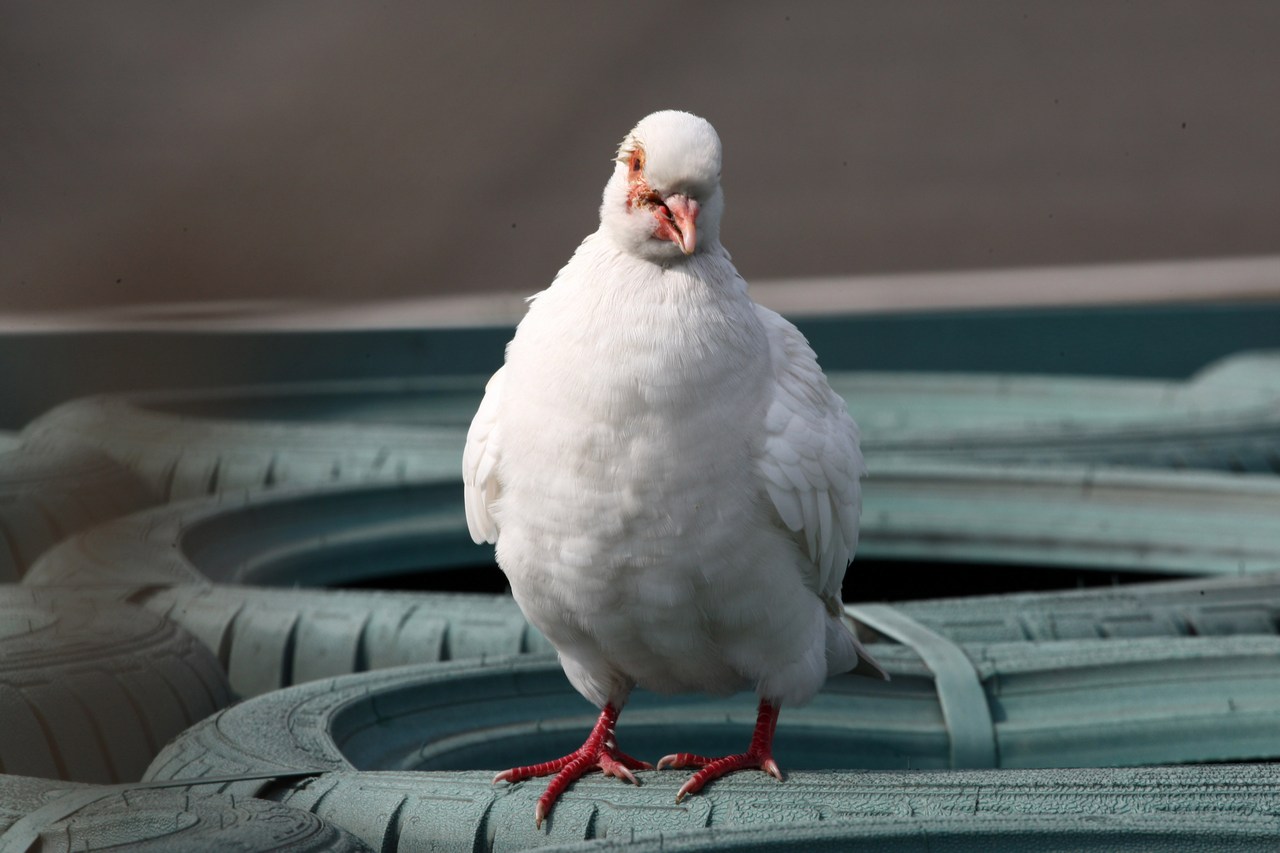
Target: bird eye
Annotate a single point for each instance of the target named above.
(637, 161)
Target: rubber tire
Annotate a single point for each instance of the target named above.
(1065, 420)
(465, 811)
(1040, 833)
(1106, 519)
(90, 690)
(1204, 607)
(265, 638)
(49, 490)
(319, 727)
(203, 441)
(1066, 704)
(160, 820)
(193, 442)
(166, 559)
(283, 537)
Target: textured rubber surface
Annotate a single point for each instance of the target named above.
(1190, 522)
(1209, 424)
(169, 559)
(1005, 833)
(90, 690)
(1083, 703)
(266, 639)
(194, 561)
(189, 443)
(464, 811)
(49, 490)
(285, 537)
(60, 819)
(193, 442)
(1203, 607)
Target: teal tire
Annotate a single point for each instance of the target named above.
(1057, 810)
(220, 565)
(1006, 833)
(464, 810)
(90, 690)
(391, 757)
(49, 490)
(1090, 518)
(36, 814)
(227, 569)
(1227, 417)
(198, 442)
(195, 442)
(1069, 704)
(1203, 607)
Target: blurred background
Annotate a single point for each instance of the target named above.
(189, 151)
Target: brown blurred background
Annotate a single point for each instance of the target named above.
(195, 150)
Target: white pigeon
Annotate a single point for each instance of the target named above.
(671, 483)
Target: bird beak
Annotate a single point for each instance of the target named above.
(677, 222)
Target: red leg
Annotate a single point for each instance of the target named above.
(759, 756)
(599, 752)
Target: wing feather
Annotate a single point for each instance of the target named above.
(824, 523)
(480, 484)
(788, 506)
(810, 463)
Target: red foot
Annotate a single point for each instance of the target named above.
(757, 757)
(599, 752)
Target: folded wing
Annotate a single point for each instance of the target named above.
(479, 464)
(810, 462)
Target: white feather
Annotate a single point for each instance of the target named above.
(788, 506)
(479, 459)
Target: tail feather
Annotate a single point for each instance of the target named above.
(846, 653)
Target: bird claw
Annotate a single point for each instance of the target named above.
(618, 770)
(519, 774)
(714, 768)
(599, 752)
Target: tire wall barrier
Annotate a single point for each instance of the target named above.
(188, 443)
(385, 713)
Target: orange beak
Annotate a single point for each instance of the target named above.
(678, 222)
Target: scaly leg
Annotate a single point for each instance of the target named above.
(759, 756)
(599, 752)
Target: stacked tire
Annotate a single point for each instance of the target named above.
(181, 667)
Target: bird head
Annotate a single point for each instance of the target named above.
(663, 201)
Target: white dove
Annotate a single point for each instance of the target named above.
(671, 483)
